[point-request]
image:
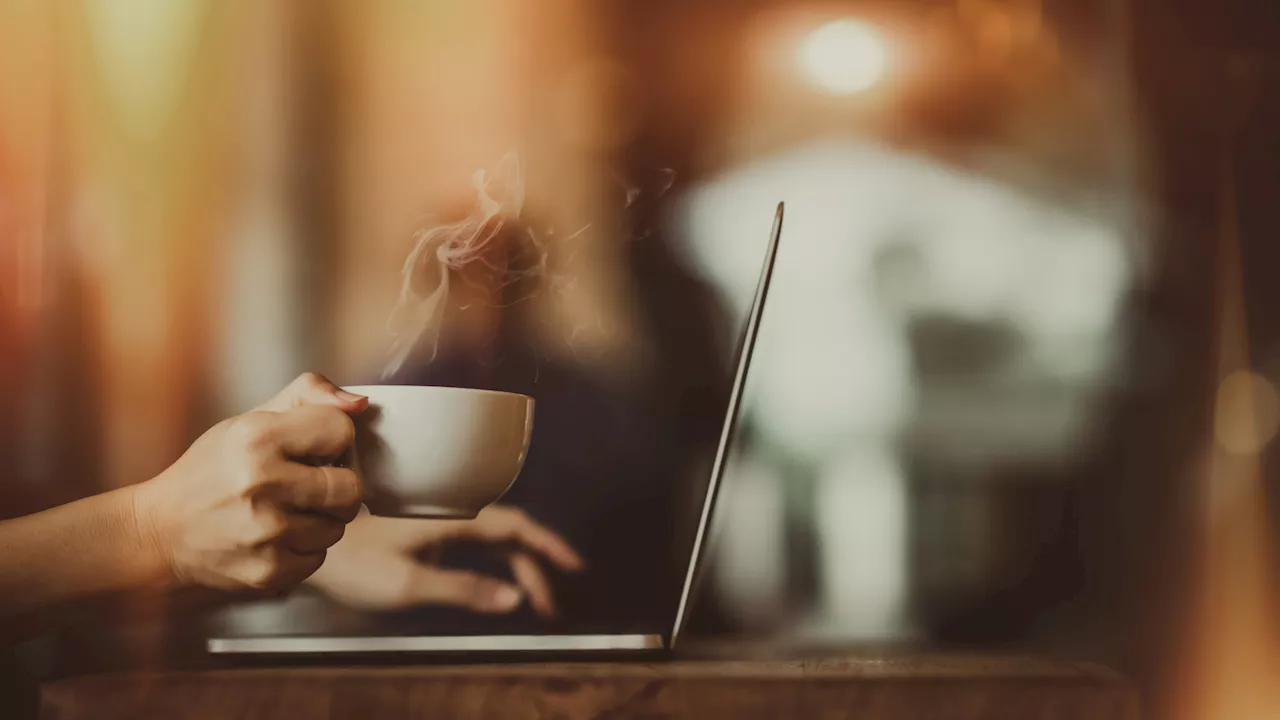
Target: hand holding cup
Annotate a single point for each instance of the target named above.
(247, 507)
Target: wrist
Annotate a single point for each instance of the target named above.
(142, 536)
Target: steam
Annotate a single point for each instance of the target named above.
(666, 177)
(440, 250)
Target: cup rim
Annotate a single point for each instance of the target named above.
(358, 389)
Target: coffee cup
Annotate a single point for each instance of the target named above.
(439, 452)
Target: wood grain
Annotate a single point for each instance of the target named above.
(867, 688)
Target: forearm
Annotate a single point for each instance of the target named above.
(82, 549)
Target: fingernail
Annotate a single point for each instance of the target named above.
(506, 598)
(349, 397)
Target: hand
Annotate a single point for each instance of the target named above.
(374, 567)
(240, 510)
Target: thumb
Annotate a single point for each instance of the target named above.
(458, 588)
(315, 389)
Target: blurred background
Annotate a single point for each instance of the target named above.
(1014, 386)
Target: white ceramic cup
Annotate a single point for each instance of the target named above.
(439, 452)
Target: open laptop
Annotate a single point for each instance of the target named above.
(242, 644)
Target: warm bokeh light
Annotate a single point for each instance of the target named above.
(1248, 412)
(844, 56)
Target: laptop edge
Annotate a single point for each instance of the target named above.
(728, 429)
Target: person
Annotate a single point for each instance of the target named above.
(255, 506)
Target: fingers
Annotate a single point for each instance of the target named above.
(400, 580)
(434, 586)
(315, 389)
(334, 491)
(312, 431)
(292, 568)
(502, 524)
(530, 578)
(308, 533)
(301, 532)
(276, 569)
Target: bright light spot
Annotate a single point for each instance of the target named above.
(844, 56)
(1248, 413)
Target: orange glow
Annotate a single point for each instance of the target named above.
(1229, 658)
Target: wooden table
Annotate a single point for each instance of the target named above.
(813, 685)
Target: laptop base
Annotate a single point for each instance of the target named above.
(460, 645)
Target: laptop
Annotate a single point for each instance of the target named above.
(226, 643)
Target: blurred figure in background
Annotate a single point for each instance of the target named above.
(627, 408)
